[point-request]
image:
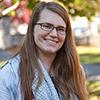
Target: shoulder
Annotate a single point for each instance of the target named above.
(9, 79)
(9, 69)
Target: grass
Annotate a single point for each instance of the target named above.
(88, 50)
(90, 58)
(89, 54)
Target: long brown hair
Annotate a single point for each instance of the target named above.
(69, 76)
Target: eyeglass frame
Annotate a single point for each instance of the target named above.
(41, 26)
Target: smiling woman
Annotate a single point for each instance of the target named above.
(47, 66)
(51, 35)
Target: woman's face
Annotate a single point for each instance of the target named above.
(49, 32)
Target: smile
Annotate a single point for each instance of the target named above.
(52, 42)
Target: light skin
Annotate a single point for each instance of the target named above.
(48, 43)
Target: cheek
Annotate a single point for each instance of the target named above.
(62, 39)
(36, 34)
(38, 38)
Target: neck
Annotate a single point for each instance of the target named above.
(47, 59)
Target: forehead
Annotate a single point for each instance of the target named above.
(51, 17)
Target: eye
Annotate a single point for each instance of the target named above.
(61, 29)
(47, 26)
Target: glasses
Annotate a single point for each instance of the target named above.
(50, 27)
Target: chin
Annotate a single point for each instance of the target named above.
(51, 51)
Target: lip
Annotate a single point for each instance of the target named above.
(52, 40)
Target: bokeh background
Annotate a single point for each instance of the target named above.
(85, 21)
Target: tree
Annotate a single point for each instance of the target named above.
(82, 7)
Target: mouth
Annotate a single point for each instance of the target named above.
(51, 41)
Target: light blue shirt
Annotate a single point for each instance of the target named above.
(10, 85)
(9, 81)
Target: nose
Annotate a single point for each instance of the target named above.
(53, 33)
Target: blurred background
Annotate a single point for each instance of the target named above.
(85, 20)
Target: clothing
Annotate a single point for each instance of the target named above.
(10, 84)
(9, 81)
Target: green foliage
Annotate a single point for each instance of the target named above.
(32, 3)
(93, 89)
(82, 7)
(14, 1)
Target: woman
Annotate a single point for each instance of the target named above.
(47, 66)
